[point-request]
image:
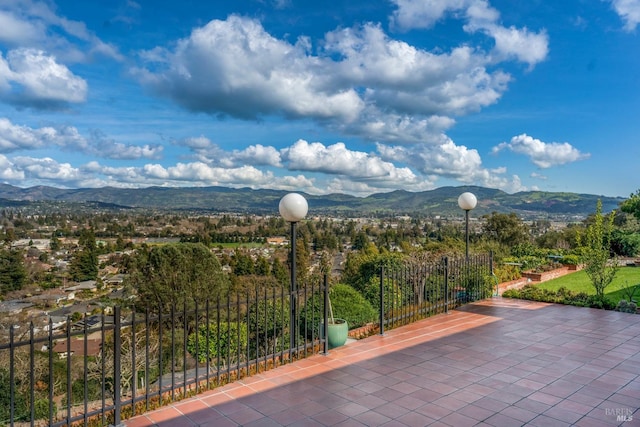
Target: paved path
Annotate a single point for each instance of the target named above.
(498, 362)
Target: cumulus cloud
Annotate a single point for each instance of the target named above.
(16, 138)
(360, 81)
(542, 154)
(452, 161)
(235, 67)
(510, 42)
(336, 159)
(29, 23)
(30, 77)
(47, 168)
(8, 171)
(208, 152)
(198, 173)
(629, 11)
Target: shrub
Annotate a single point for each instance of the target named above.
(224, 343)
(561, 296)
(627, 307)
(349, 304)
(394, 295)
(346, 302)
(570, 260)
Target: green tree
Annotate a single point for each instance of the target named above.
(632, 205)
(12, 271)
(595, 249)
(506, 229)
(84, 265)
(179, 273)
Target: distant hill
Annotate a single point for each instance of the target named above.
(441, 201)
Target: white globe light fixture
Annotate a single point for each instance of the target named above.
(293, 208)
(467, 201)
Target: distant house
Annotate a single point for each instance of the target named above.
(41, 244)
(93, 322)
(87, 285)
(76, 347)
(277, 241)
(14, 306)
(50, 298)
(114, 280)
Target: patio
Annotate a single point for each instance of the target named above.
(497, 362)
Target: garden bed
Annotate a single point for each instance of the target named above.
(551, 274)
(529, 276)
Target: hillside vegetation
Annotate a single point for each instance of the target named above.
(439, 202)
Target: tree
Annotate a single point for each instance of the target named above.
(595, 248)
(506, 229)
(84, 265)
(179, 273)
(632, 205)
(12, 271)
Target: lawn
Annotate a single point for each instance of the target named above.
(626, 277)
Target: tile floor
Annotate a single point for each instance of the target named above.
(498, 362)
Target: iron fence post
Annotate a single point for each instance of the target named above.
(381, 301)
(293, 291)
(325, 316)
(445, 261)
(117, 344)
(12, 390)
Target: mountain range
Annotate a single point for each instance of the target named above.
(441, 201)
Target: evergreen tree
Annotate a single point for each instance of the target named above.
(84, 265)
(179, 273)
(12, 272)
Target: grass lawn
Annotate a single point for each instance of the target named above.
(626, 277)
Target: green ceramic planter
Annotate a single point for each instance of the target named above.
(337, 332)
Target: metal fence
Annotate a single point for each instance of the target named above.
(415, 290)
(150, 358)
(101, 374)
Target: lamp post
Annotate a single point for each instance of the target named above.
(293, 208)
(467, 201)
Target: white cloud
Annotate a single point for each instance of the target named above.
(361, 82)
(16, 31)
(629, 11)
(542, 154)
(15, 138)
(30, 23)
(510, 42)
(258, 155)
(8, 171)
(46, 169)
(237, 68)
(452, 161)
(422, 13)
(521, 44)
(41, 81)
(336, 159)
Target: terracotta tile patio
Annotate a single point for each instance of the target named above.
(498, 362)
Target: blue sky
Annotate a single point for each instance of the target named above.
(354, 96)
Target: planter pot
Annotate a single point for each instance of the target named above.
(337, 332)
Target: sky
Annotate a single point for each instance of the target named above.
(346, 96)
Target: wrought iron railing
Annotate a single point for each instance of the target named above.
(101, 374)
(148, 359)
(413, 291)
